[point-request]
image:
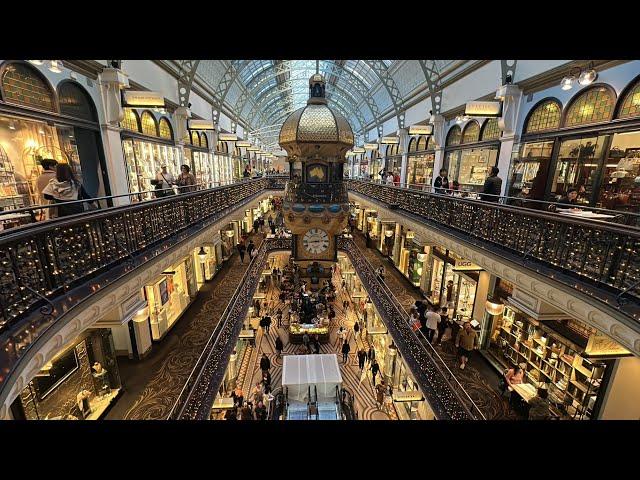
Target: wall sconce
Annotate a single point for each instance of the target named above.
(588, 76)
(584, 77)
(54, 67)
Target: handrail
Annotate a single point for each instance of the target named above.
(605, 255)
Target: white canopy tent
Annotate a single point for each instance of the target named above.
(299, 372)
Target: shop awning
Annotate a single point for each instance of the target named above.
(299, 372)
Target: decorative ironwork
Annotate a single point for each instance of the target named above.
(603, 257)
(320, 193)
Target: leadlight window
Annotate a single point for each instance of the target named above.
(24, 85)
(631, 103)
(454, 136)
(430, 144)
(75, 102)
(222, 147)
(593, 105)
(413, 145)
(130, 120)
(422, 143)
(491, 130)
(204, 141)
(165, 129)
(546, 116)
(471, 132)
(149, 126)
(195, 138)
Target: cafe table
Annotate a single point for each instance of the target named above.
(583, 213)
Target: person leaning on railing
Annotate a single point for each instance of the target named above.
(186, 181)
(492, 186)
(65, 188)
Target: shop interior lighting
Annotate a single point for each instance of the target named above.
(54, 67)
(202, 255)
(36, 62)
(422, 257)
(494, 308)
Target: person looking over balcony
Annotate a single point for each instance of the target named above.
(571, 198)
(186, 180)
(442, 182)
(65, 188)
(492, 186)
(389, 178)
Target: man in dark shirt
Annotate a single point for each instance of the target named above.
(492, 186)
(442, 182)
(571, 198)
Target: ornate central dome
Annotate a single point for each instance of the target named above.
(316, 130)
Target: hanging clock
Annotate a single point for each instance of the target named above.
(316, 241)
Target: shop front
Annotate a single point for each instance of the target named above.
(393, 160)
(592, 144)
(81, 382)
(223, 164)
(229, 241)
(470, 153)
(39, 122)
(375, 164)
(170, 295)
(148, 145)
(200, 159)
(420, 159)
(206, 264)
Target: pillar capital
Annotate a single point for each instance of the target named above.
(510, 96)
(438, 122)
(111, 81)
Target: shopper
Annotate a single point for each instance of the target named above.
(246, 413)
(279, 317)
(515, 375)
(380, 272)
(266, 382)
(265, 364)
(371, 355)
(362, 357)
(341, 334)
(381, 389)
(375, 368)
(443, 325)
(250, 248)
(261, 222)
(257, 393)
(492, 186)
(356, 329)
(164, 182)
(238, 396)
(432, 321)
(241, 250)
(279, 346)
(389, 178)
(186, 181)
(261, 411)
(442, 182)
(571, 198)
(345, 351)
(466, 342)
(256, 225)
(316, 344)
(48, 174)
(65, 188)
(267, 323)
(396, 179)
(305, 341)
(539, 406)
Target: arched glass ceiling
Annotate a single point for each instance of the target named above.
(264, 92)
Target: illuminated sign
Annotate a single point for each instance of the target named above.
(483, 109)
(410, 235)
(421, 130)
(603, 346)
(141, 99)
(466, 266)
(390, 140)
(408, 396)
(358, 150)
(370, 146)
(227, 137)
(201, 124)
(243, 143)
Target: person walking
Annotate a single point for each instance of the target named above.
(261, 411)
(316, 344)
(238, 396)
(267, 323)
(381, 389)
(433, 319)
(261, 221)
(65, 188)
(380, 272)
(305, 341)
(443, 325)
(371, 354)
(356, 329)
(375, 368)
(241, 250)
(341, 334)
(246, 413)
(256, 225)
(492, 186)
(265, 364)
(279, 346)
(250, 248)
(362, 357)
(466, 343)
(163, 182)
(279, 318)
(345, 351)
(257, 308)
(186, 181)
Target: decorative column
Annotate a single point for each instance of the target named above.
(390, 364)
(404, 148)
(180, 118)
(112, 81)
(511, 96)
(397, 244)
(438, 122)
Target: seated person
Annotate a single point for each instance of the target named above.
(515, 375)
(571, 198)
(539, 406)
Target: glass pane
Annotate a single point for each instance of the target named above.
(148, 124)
(621, 185)
(631, 104)
(21, 84)
(474, 167)
(471, 132)
(594, 105)
(130, 120)
(529, 170)
(546, 116)
(420, 170)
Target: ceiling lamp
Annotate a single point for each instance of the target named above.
(422, 257)
(54, 67)
(494, 308)
(587, 77)
(567, 82)
(459, 119)
(202, 255)
(36, 62)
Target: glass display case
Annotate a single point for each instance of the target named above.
(420, 170)
(143, 160)
(529, 170)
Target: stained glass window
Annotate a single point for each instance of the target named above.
(593, 105)
(454, 136)
(221, 147)
(430, 144)
(204, 141)
(165, 128)
(130, 120)
(631, 103)
(546, 116)
(422, 143)
(491, 130)
(413, 144)
(149, 126)
(471, 132)
(24, 85)
(195, 138)
(75, 102)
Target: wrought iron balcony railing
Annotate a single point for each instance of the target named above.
(316, 192)
(51, 266)
(599, 258)
(445, 395)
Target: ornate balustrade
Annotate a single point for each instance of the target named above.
(601, 259)
(48, 268)
(445, 396)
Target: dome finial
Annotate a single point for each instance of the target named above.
(316, 89)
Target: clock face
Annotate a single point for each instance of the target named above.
(315, 241)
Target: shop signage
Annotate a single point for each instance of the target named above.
(408, 396)
(483, 109)
(421, 130)
(227, 137)
(466, 266)
(390, 140)
(243, 143)
(603, 346)
(195, 124)
(143, 99)
(252, 148)
(357, 150)
(370, 146)
(410, 235)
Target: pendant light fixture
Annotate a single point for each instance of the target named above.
(54, 67)
(202, 255)
(587, 77)
(36, 62)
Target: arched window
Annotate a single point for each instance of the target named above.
(394, 149)
(222, 147)
(413, 145)
(237, 152)
(630, 106)
(165, 129)
(545, 116)
(75, 101)
(130, 120)
(430, 144)
(24, 85)
(591, 106)
(195, 138)
(454, 136)
(422, 143)
(490, 130)
(149, 126)
(204, 141)
(471, 132)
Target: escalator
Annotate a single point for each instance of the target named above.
(347, 405)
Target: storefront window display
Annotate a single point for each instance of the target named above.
(169, 296)
(393, 159)
(223, 163)
(200, 159)
(421, 158)
(621, 183)
(375, 164)
(205, 261)
(529, 170)
(80, 383)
